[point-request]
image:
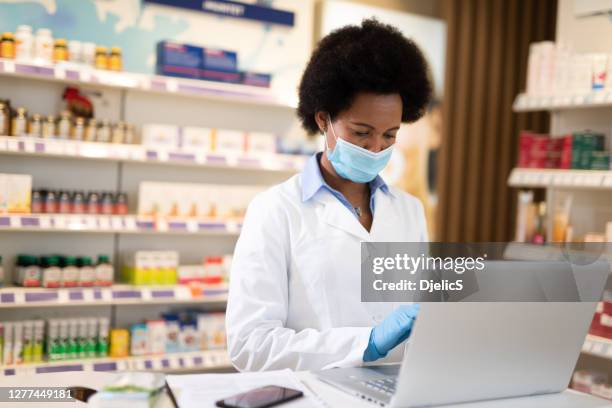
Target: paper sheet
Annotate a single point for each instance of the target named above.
(202, 390)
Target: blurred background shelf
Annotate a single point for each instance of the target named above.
(169, 362)
(66, 149)
(544, 178)
(116, 224)
(70, 74)
(529, 103)
(116, 295)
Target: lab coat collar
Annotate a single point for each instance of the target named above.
(312, 181)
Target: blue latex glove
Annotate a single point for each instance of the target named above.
(390, 332)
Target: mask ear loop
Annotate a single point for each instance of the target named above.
(333, 132)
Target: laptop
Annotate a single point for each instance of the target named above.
(474, 351)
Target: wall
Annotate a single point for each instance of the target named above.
(279, 50)
(584, 34)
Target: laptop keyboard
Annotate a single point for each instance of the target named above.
(383, 385)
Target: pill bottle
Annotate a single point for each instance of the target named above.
(43, 46)
(7, 46)
(20, 122)
(101, 59)
(115, 62)
(60, 50)
(24, 43)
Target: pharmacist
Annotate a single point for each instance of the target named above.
(294, 297)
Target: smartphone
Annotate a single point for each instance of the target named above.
(260, 397)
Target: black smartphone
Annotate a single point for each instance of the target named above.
(260, 397)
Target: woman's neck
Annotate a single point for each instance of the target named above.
(351, 190)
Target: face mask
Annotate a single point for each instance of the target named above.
(355, 163)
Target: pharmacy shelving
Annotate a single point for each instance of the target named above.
(66, 149)
(77, 75)
(169, 362)
(598, 346)
(545, 178)
(116, 224)
(116, 295)
(528, 103)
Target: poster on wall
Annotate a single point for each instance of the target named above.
(413, 166)
(279, 48)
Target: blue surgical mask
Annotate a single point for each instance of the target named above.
(355, 163)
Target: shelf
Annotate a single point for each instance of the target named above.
(116, 224)
(170, 362)
(543, 178)
(528, 103)
(68, 149)
(71, 74)
(116, 295)
(598, 346)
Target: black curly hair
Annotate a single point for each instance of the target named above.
(373, 57)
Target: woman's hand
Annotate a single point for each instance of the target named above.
(390, 332)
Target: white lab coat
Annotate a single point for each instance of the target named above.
(295, 297)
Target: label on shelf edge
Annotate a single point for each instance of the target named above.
(63, 296)
(597, 347)
(116, 223)
(104, 222)
(171, 85)
(9, 66)
(59, 73)
(145, 294)
(88, 295)
(182, 292)
(12, 145)
(587, 346)
(29, 146)
(44, 221)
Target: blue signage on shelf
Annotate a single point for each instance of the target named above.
(235, 9)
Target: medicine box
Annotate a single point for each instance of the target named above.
(138, 346)
(256, 79)
(156, 336)
(261, 142)
(180, 60)
(160, 136)
(15, 193)
(220, 65)
(211, 329)
(229, 141)
(220, 60)
(196, 139)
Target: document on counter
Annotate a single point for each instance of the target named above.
(203, 390)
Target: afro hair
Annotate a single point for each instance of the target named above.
(373, 57)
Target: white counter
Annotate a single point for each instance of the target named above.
(332, 396)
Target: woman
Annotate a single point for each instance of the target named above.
(294, 299)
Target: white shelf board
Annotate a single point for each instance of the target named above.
(78, 75)
(116, 224)
(67, 149)
(545, 178)
(169, 362)
(597, 346)
(529, 103)
(116, 295)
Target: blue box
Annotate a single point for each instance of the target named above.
(220, 76)
(179, 60)
(256, 79)
(220, 60)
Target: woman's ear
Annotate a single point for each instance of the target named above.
(321, 118)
